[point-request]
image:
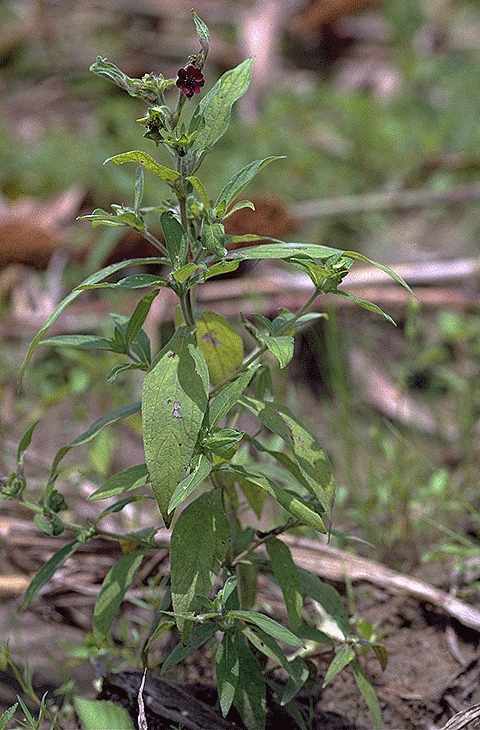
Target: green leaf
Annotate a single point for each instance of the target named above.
(175, 239)
(223, 267)
(327, 597)
(227, 397)
(227, 666)
(175, 397)
(368, 694)
(122, 481)
(239, 181)
(135, 281)
(240, 205)
(356, 256)
(268, 625)
(212, 115)
(282, 250)
(92, 279)
(117, 370)
(344, 656)
(7, 716)
(194, 561)
(199, 636)
(116, 583)
(139, 188)
(47, 571)
(92, 431)
(146, 161)
(200, 189)
(288, 578)
(214, 238)
(250, 696)
(80, 342)
(365, 304)
(221, 345)
(119, 505)
(102, 715)
(135, 323)
(282, 348)
(201, 28)
(25, 442)
(188, 485)
(247, 583)
(185, 272)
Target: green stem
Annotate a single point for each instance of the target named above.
(154, 241)
(265, 538)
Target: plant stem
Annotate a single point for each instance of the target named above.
(265, 538)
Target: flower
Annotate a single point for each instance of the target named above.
(190, 80)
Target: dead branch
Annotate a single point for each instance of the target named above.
(463, 719)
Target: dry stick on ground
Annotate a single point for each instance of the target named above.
(463, 719)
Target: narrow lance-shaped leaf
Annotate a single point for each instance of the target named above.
(368, 694)
(239, 181)
(116, 583)
(250, 695)
(201, 28)
(92, 279)
(281, 250)
(344, 656)
(365, 304)
(173, 407)
(288, 578)
(221, 345)
(175, 239)
(200, 189)
(102, 715)
(145, 160)
(25, 442)
(268, 625)
(200, 541)
(227, 397)
(124, 481)
(92, 431)
(327, 597)
(79, 342)
(227, 664)
(140, 313)
(139, 188)
(281, 347)
(199, 636)
(188, 485)
(47, 571)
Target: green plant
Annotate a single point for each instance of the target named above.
(200, 467)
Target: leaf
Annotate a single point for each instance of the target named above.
(221, 345)
(214, 238)
(92, 279)
(80, 342)
(188, 485)
(288, 578)
(227, 667)
(268, 625)
(175, 397)
(240, 205)
(92, 431)
(146, 161)
(200, 189)
(327, 597)
(47, 571)
(122, 481)
(116, 583)
(7, 716)
(185, 272)
(135, 281)
(201, 28)
(365, 304)
(119, 505)
(344, 656)
(282, 250)
(368, 694)
(227, 397)
(139, 188)
(239, 181)
(102, 715)
(175, 239)
(199, 636)
(356, 256)
(223, 267)
(250, 696)
(212, 115)
(140, 313)
(25, 442)
(281, 347)
(194, 561)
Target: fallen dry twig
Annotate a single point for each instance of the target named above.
(463, 719)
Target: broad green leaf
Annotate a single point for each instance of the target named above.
(311, 458)
(227, 668)
(116, 583)
(199, 636)
(268, 625)
(239, 181)
(223, 267)
(365, 304)
(185, 272)
(47, 571)
(344, 656)
(200, 541)
(92, 431)
(255, 497)
(288, 578)
(281, 347)
(80, 342)
(212, 115)
(281, 250)
(327, 597)
(227, 397)
(175, 239)
(250, 696)
(25, 442)
(124, 481)
(146, 161)
(368, 694)
(221, 345)
(188, 485)
(139, 315)
(173, 407)
(102, 715)
(92, 279)
(247, 583)
(200, 189)
(214, 238)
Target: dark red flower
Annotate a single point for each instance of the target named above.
(190, 80)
